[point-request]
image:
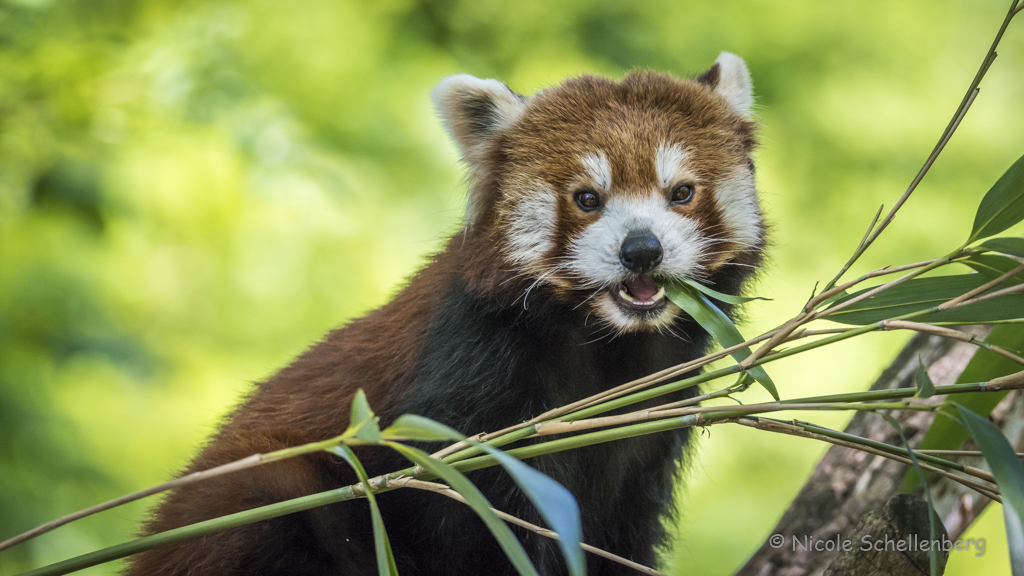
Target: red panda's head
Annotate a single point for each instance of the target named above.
(600, 192)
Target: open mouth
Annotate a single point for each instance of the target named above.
(639, 294)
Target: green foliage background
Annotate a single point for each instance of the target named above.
(192, 192)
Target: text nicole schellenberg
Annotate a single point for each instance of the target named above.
(868, 543)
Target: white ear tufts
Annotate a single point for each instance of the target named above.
(473, 110)
(734, 83)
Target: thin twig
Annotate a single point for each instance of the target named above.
(548, 428)
(769, 425)
(446, 491)
(884, 271)
(928, 163)
(243, 464)
(249, 462)
(950, 333)
(956, 301)
(976, 453)
(807, 315)
(877, 289)
(961, 111)
(857, 252)
(1011, 290)
(871, 226)
(731, 412)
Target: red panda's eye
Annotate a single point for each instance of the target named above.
(682, 193)
(588, 200)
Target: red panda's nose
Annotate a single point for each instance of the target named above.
(640, 251)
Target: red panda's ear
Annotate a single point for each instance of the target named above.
(730, 79)
(474, 111)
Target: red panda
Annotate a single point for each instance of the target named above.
(586, 198)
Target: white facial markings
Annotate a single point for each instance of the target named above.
(599, 169)
(668, 162)
(594, 254)
(531, 225)
(737, 199)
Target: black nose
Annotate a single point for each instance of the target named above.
(640, 251)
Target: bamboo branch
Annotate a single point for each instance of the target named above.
(989, 491)
(958, 116)
(949, 333)
(243, 464)
(1010, 290)
(973, 453)
(955, 301)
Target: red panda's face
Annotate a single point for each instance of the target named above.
(603, 192)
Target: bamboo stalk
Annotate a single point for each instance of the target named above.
(793, 430)
(981, 288)
(949, 333)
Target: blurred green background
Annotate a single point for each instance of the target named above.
(193, 192)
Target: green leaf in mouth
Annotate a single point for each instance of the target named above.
(721, 328)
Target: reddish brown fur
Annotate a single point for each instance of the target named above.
(627, 121)
(382, 353)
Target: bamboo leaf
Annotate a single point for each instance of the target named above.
(382, 545)
(413, 427)
(727, 298)
(360, 408)
(994, 265)
(933, 551)
(1003, 205)
(924, 293)
(721, 328)
(476, 500)
(1009, 474)
(363, 422)
(555, 503)
(1012, 246)
(925, 387)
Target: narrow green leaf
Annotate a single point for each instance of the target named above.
(413, 427)
(993, 266)
(925, 387)
(1009, 474)
(506, 539)
(360, 408)
(727, 298)
(555, 503)
(363, 422)
(1012, 246)
(933, 551)
(924, 293)
(382, 545)
(718, 325)
(1002, 206)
